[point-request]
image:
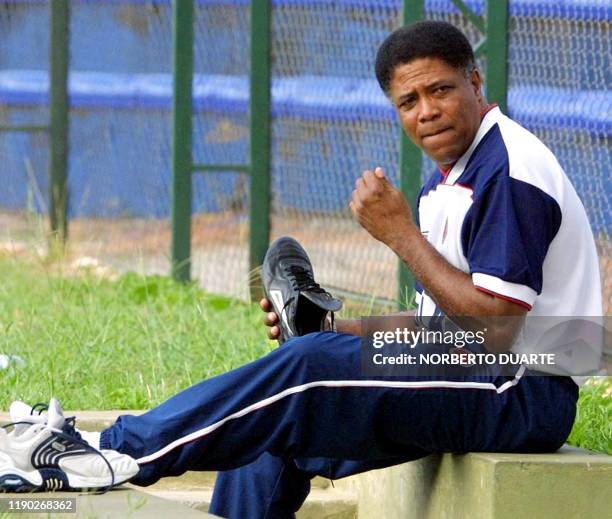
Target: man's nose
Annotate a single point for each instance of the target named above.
(428, 110)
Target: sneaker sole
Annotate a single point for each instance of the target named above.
(15, 480)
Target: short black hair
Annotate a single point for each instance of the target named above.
(427, 39)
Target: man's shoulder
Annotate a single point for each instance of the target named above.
(509, 152)
(529, 159)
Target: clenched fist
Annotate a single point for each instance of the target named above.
(381, 209)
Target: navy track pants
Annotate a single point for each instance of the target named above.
(305, 409)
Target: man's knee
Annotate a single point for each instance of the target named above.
(310, 340)
(312, 346)
(324, 353)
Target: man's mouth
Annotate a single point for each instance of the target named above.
(437, 132)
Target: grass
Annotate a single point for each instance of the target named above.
(130, 343)
(593, 426)
(134, 342)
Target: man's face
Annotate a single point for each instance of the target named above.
(438, 106)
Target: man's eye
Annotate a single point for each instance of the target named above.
(442, 89)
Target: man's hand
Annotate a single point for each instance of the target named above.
(381, 209)
(352, 326)
(270, 319)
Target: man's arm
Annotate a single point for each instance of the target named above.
(384, 212)
(353, 326)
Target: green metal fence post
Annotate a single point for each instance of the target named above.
(182, 67)
(409, 166)
(58, 121)
(497, 52)
(260, 136)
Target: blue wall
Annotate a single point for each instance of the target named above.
(330, 121)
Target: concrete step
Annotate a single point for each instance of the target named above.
(321, 503)
(569, 483)
(118, 503)
(200, 480)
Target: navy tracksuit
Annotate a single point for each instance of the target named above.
(305, 409)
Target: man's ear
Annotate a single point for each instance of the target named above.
(476, 81)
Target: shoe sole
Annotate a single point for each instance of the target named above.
(15, 480)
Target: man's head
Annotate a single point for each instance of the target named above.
(428, 71)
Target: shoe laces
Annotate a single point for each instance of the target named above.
(303, 280)
(70, 433)
(40, 407)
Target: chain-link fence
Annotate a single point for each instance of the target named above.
(24, 155)
(120, 65)
(120, 94)
(329, 123)
(341, 124)
(221, 136)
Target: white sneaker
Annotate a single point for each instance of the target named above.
(45, 452)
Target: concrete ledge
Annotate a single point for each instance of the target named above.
(570, 483)
(321, 503)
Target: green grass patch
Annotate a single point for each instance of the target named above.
(125, 344)
(593, 426)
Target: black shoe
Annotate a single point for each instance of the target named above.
(300, 303)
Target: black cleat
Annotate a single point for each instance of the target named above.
(300, 303)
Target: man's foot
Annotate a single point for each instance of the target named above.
(45, 452)
(301, 304)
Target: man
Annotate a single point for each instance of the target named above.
(502, 233)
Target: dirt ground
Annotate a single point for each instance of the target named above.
(343, 255)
